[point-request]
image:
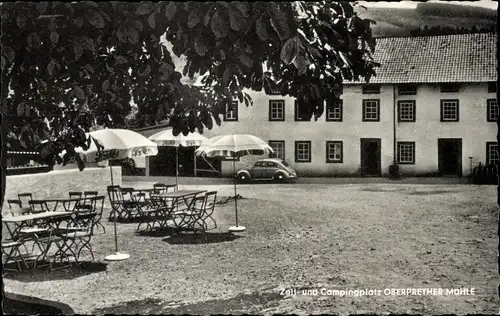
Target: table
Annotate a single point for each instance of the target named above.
(166, 211)
(22, 219)
(46, 219)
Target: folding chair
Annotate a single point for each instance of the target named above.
(86, 204)
(75, 195)
(191, 218)
(16, 208)
(78, 234)
(98, 207)
(44, 241)
(11, 250)
(211, 199)
(117, 203)
(25, 198)
(38, 206)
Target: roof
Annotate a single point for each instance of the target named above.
(436, 59)
(151, 130)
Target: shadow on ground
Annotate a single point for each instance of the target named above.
(59, 271)
(206, 238)
(241, 304)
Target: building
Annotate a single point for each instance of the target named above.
(431, 109)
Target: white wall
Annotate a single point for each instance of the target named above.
(473, 128)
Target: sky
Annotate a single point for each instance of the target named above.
(412, 4)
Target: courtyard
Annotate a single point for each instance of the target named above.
(299, 236)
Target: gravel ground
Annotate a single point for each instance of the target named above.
(358, 236)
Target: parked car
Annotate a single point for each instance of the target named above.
(267, 169)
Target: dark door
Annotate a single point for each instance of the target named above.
(371, 157)
(450, 156)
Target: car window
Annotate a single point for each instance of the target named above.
(271, 164)
(259, 164)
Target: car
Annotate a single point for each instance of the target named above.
(267, 169)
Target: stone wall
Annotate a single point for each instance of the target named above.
(57, 183)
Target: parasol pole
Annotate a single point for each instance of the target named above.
(117, 256)
(235, 194)
(236, 228)
(177, 168)
(112, 184)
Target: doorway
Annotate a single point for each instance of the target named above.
(450, 156)
(371, 164)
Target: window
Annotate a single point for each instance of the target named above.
(276, 110)
(492, 109)
(260, 164)
(334, 111)
(406, 111)
(270, 164)
(450, 87)
(406, 152)
(231, 112)
(407, 89)
(492, 87)
(334, 152)
(298, 111)
(278, 147)
(302, 151)
(492, 153)
(371, 89)
(371, 110)
(449, 111)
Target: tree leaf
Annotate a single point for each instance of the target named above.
(137, 25)
(146, 71)
(80, 94)
(199, 46)
(11, 54)
(279, 21)
(300, 63)
(21, 20)
(246, 60)
(79, 21)
(260, 28)
(54, 37)
(152, 21)
(42, 7)
(78, 50)
(193, 19)
(95, 19)
(170, 10)
(206, 21)
(289, 50)
(34, 40)
(20, 109)
(133, 36)
(166, 70)
(236, 19)
(121, 60)
(220, 26)
(105, 85)
(243, 7)
(122, 34)
(51, 66)
(226, 76)
(144, 8)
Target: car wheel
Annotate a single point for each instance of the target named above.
(280, 178)
(242, 178)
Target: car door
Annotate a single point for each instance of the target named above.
(258, 170)
(271, 168)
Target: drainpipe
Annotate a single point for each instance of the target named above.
(394, 118)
